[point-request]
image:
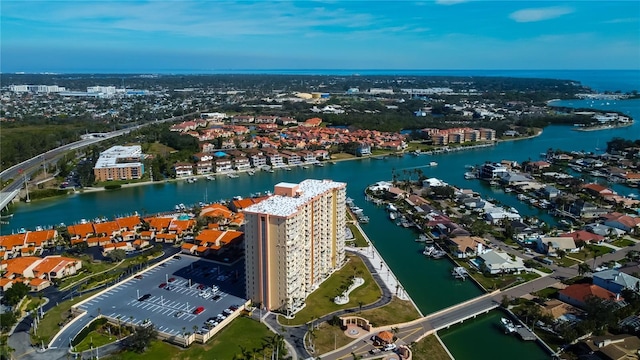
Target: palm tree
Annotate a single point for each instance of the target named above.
(583, 268)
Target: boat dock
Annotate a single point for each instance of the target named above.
(525, 334)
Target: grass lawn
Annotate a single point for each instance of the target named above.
(158, 149)
(88, 268)
(242, 333)
(596, 250)
(359, 240)
(397, 311)
(97, 339)
(328, 336)
(429, 348)
(623, 243)
(504, 281)
(566, 262)
(320, 302)
(33, 304)
(49, 324)
(547, 293)
(341, 156)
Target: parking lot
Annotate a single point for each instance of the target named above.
(175, 296)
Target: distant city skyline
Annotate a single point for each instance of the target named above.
(210, 36)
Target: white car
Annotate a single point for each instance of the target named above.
(389, 347)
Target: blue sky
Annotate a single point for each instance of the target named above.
(148, 36)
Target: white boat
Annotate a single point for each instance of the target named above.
(422, 238)
(232, 175)
(507, 325)
(287, 169)
(191, 180)
(319, 164)
(210, 178)
(392, 208)
(459, 273)
(305, 167)
(392, 215)
(251, 172)
(433, 163)
(469, 175)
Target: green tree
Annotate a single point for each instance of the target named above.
(15, 293)
(116, 255)
(583, 268)
(141, 338)
(7, 320)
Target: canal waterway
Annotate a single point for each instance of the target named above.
(427, 281)
(483, 338)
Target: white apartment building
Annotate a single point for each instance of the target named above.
(120, 163)
(293, 241)
(106, 90)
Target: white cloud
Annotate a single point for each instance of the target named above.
(540, 14)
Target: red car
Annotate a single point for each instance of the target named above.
(201, 287)
(172, 279)
(198, 310)
(162, 285)
(138, 276)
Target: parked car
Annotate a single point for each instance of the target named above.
(216, 297)
(162, 285)
(177, 257)
(198, 310)
(374, 351)
(178, 313)
(138, 276)
(172, 279)
(201, 287)
(389, 347)
(144, 297)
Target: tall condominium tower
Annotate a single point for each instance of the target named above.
(293, 241)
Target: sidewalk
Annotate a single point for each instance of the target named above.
(381, 268)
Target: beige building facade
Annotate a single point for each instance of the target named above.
(293, 241)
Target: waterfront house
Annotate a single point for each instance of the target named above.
(183, 169)
(622, 222)
(584, 236)
(321, 154)
(560, 311)
(131, 223)
(204, 167)
(467, 246)
(498, 262)
(80, 231)
(241, 163)
(159, 224)
(258, 161)
(551, 245)
(496, 214)
(614, 347)
(107, 228)
(616, 281)
(597, 190)
(576, 294)
(603, 230)
(222, 165)
(549, 192)
(489, 171)
(585, 209)
(179, 227)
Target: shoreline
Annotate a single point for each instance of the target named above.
(604, 127)
(329, 161)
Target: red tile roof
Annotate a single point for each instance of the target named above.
(581, 291)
